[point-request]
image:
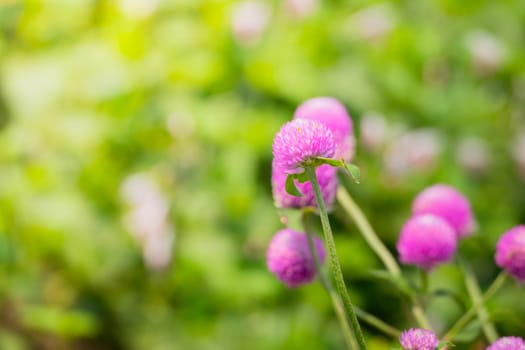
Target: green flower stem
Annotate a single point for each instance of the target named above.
(424, 282)
(362, 315)
(379, 324)
(378, 247)
(458, 326)
(334, 260)
(475, 295)
(350, 340)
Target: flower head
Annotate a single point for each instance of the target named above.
(330, 112)
(418, 339)
(289, 258)
(449, 204)
(510, 252)
(508, 343)
(425, 241)
(327, 177)
(299, 142)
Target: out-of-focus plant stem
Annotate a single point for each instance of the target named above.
(458, 326)
(370, 236)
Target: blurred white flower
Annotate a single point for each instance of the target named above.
(180, 124)
(157, 250)
(415, 150)
(373, 131)
(139, 188)
(374, 22)
(486, 50)
(249, 20)
(472, 155)
(302, 8)
(137, 9)
(147, 220)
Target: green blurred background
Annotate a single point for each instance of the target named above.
(135, 152)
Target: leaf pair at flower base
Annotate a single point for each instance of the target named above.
(352, 170)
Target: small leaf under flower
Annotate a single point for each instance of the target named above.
(291, 189)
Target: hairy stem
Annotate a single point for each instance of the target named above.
(334, 260)
(350, 340)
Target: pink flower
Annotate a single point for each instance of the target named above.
(333, 115)
(418, 339)
(508, 343)
(289, 258)
(426, 241)
(510, 252)
(299, 142)
(447, 203)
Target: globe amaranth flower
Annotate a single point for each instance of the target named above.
(333, 115)
(449, 204)
(426, 241)
(510, 252)
(288, 257)
(300, 141)
(508, 343)
(418, 339)
(327, 178)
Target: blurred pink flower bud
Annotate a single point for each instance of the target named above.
(289, 259)
(510, 252)
(508, 343)
(447, 203)
(374, 22)
(249, 20)
(426, 241)
(332, 113)
(302, 8)
(415, 150)
(373, 131)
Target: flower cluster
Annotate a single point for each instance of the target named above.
(321, 128)
(441, 215)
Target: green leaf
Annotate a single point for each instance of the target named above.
(291, 189)
(302, 177)
(442, 344)
(333, 162)
(354, 171)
